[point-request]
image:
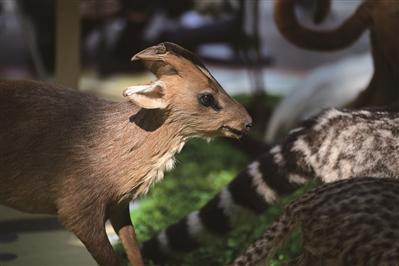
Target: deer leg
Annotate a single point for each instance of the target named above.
(123, 226)
(90, 229)
(100, 248)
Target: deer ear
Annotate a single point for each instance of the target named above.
(154, 58)
(149, 96)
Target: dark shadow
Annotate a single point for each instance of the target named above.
(7, 256)
(29, 225)
(249, 145)
(148, 119)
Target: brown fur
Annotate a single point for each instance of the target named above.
(71, 154)
(378, 16)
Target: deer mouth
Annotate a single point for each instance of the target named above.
(232, 132)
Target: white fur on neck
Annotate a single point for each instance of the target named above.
(165, 163)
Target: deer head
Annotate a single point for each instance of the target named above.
(186, 90)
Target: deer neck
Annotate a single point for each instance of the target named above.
(150, 140)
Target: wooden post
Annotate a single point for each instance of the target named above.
(67, 67)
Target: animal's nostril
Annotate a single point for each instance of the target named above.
(248, 126)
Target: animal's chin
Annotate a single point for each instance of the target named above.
(232, 132)
(224, 131)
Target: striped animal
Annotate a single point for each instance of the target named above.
(348, 222)
(334, 145)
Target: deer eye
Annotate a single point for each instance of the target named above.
(207, 100)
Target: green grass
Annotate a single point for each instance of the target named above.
(202, 171)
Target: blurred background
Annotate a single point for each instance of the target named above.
(232, 36)
(87, 45)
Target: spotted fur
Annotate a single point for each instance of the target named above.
(334, 145)
(348, 222)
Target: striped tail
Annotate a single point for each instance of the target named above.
(279, 171)
(263, 250)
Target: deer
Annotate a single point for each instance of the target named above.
(83, 159)
(348, 222)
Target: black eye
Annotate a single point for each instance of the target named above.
(207, 100)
